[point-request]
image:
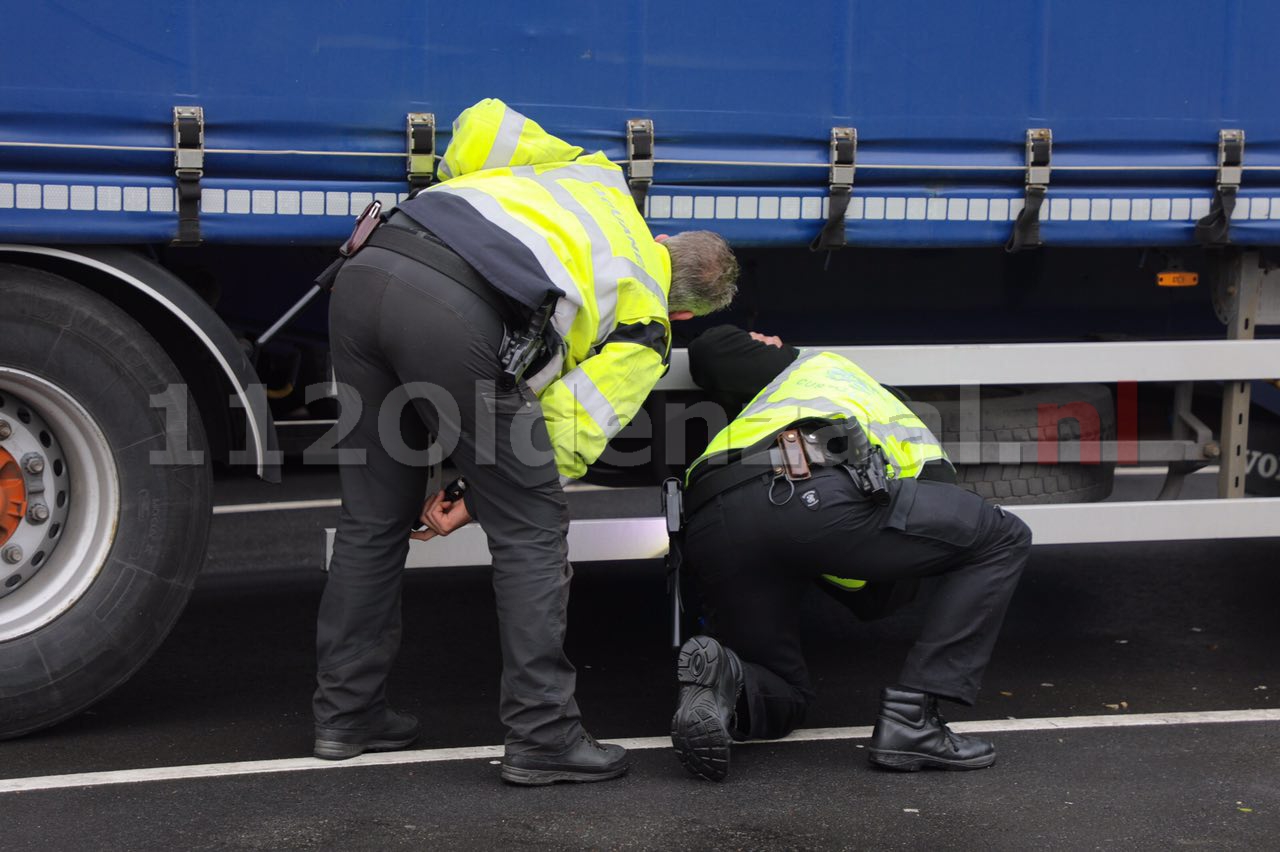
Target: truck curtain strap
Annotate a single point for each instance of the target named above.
(1026, 228)
(188, 163)
(420, 163)
(639, 159)
(844, 150)
(1215, 228)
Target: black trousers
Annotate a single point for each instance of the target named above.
(754, 560)
(415, 355)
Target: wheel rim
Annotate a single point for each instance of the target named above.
(13, 497)
(62, 462)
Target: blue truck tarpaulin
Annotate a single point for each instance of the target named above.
(305, 110)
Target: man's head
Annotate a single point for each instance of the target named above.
(704, 273)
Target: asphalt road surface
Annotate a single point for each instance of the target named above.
(1133, 700)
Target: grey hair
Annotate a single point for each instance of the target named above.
(704, 272)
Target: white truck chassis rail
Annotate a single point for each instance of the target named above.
(1046, 363)
(1247, 296)
(624, 539)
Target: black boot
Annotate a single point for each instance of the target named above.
(585, 760)
(396, 731)
(702, 729)
(910, 735)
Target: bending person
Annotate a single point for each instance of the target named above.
(519, 312)
(761, 528)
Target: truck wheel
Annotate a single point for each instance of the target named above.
(1010, 484)
(100, 538)
(1013, 414)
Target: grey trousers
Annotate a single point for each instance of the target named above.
(415, 356)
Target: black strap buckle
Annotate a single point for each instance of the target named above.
(844, 149)
(1215, 228)
(1026, 228)
(640, 159)
(188, 167)
(420, 164)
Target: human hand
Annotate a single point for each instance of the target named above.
(767, 339)
(441, 516)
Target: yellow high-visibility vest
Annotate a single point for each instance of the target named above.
(537, 216)
(825, 386)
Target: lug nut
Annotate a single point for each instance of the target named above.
(13, 554)
(35, 464)
(38, 513)
(5, 429)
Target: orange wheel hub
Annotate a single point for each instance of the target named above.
(13, 496)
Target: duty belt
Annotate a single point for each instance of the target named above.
(426, 248)
(789, 456)
(400, 234)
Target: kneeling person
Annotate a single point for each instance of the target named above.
(777, 501)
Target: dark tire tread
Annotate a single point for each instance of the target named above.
(1014, 417)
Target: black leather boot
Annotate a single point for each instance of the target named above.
(585, 760)
(702, 729)
(396, 731)
(910, 735)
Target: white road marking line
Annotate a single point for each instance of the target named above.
(302, 764)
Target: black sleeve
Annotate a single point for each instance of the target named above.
(726, 362)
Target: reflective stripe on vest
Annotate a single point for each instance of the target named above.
(563, 222)
(605, 264)
(824, 386)
(506, 140)
(491, 134)
(844, 584)
(492, 210)
(595, 403)
(581, 255)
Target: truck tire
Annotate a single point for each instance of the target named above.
(1012, 414)
(103, 525)
(1011, 484)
